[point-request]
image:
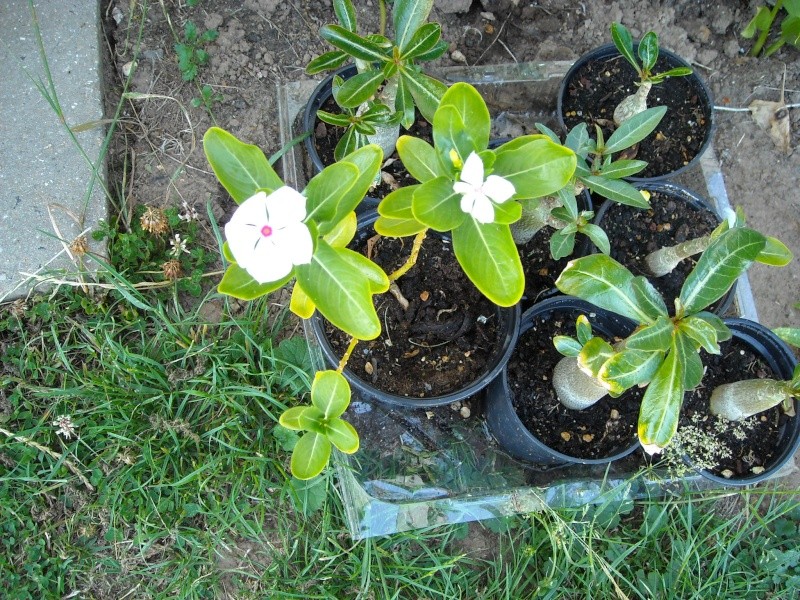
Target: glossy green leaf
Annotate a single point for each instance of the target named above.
(419, 158)
(472, 110)
(594, 354)
(622, 168)
(567, 346)
(300, 304)
(630, 368)
(291, 418)
(676, 72)
(723, 332)
(340, 292)
(359, 88)
(407, 17)
(425, 90)
(437, 206)
(648, 298)
(652, 338)
(330, 393)
(241, 168)
(616, 190)
(701, 332)
(451, 134)
(661, 404)
(345, 14)
(725, 259)
(577, 139)
(762, 21)
(240, 284)
(548, 132)
(648, 50)
(535, 166)
(438, 50)
(350, 141)
(343, 232)
(775, 253)
(337, 119)
(583, 329)
(326, 62)
(624, 42)
(312, 419)
(310, 456)
(404, 104)
(372, 273)
(634, 129)
(423, 40)
(507, 212)
(561, 244)
(226, 252)
(342, 435)
(597, 236)
(396, 214)
(490, 259)
(352, 43)
(790, 335)
(325, 191)
(689, 358)
(601, 280)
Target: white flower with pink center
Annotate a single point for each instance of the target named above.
(267, 236)
(476, 194)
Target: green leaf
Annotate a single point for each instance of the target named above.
(535, 166)
(240, 284)
(241, 168)
(423, 40)
(701, 332)
(622, 168)
(548, 132)
(661, 404)
(775, 253)
(425, 90)
(352, 43)
(630, 368)
(761, 22)
(567, 346)
(372, 273)
(343, 232)
(594, 355)
(337, 119)
(367, 161)
(345, 14)
(690, 360)
(291, 418)
(440, 48)
(404, 104)
(634, 129)
(790, 335)
(561, 244)
(396, 215)
(490, 259)
(325, 191)
(450, 134)
(407, 17)
(578, 139)
(624, 42)
(583, 329)
(343, 435)
(616, 190)
(648, 298)
(340, 291)
(326, 62)
(648, 50)
(790, 30)
(330, 393)
(472, 110)
(310, 455)
(652, 338)
(507, 212)
(309, 496)
(726, 258)
(358, 89)
(598, 237)
(601, 280)
(676, 72)
(300, 304)
(419, 158)
(437, 206)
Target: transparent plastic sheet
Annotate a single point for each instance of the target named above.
(425, 467)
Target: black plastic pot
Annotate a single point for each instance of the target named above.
(508, 318)
(502, 419)
(698, 87)
(782, 361)
(683, 195)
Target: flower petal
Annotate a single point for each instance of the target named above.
(498, 188)
(472, 172)
(482, 209)
(269, 263)
(285, 206)
(464, 188)
(295, 241)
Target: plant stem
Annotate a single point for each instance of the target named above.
(762, 38)
(662, 261)
(412, 258)
(350, 347)
(382, 7)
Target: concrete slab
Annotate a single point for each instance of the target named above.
(48, 191)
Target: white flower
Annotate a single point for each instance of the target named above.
(477, 194)
(66, 428)
(188, 212)
(178, 246)
(266, 234)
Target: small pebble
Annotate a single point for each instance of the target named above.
(458, 56)
(566, 436)
(465, 412)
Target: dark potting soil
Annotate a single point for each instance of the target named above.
(445, 338)
(599, 86)
(540, 268)
(602, 430)
(394, 173)
(759, 446)
(634, 233)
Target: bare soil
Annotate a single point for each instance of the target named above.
(156, 153)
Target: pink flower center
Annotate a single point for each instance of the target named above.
(266, 231)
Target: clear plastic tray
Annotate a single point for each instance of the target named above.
(425, 467)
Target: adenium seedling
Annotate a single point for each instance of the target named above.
(644, 65)
(663, 352)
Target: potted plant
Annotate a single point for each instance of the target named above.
(611, 83)
(663, 353)
(384, 85)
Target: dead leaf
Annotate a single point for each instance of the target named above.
(773, 117)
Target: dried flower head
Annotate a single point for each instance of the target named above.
(154, 220)
(66, 428)
(172, 269)
(79, 246)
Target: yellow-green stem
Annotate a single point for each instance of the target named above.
(347, 353)
(412, 259)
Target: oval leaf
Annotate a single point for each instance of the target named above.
(310, 455)
(661, 404)
(343, 435)
(330, 393)
(437, 205)
(419, 158)
(535, 166)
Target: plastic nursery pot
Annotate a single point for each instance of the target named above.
(782, 361)
(672, 92)
(507, 320)
(612, 215)
(502, 418)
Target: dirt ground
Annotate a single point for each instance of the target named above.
(157, 152)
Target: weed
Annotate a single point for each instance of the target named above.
(208, 97)
(191, 55)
